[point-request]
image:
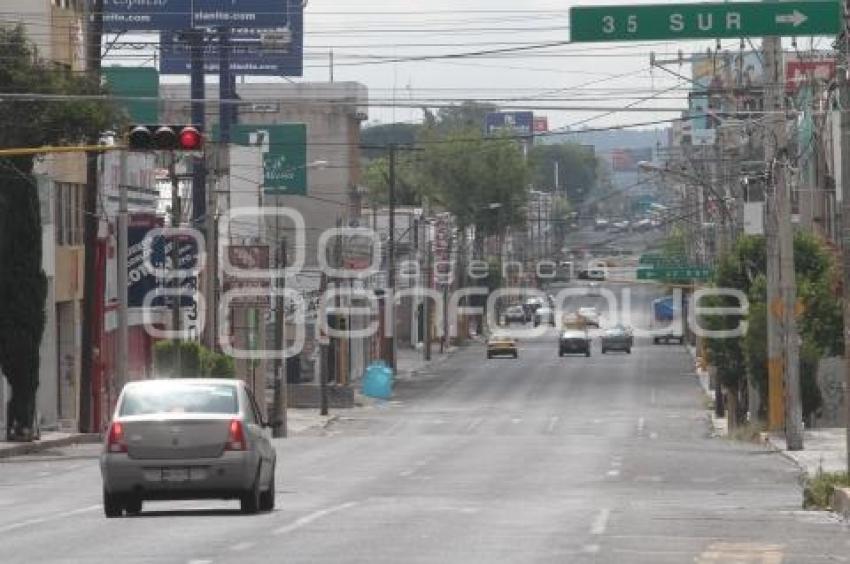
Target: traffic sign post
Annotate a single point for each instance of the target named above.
(704, 20)
(675, 273)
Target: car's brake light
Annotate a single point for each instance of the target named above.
(115, 440)
(236, 436)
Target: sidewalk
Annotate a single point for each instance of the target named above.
(48, 441)
(300, 420)
(823, 449)
(719, 425)
(411, 362)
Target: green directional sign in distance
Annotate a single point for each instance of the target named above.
(704, 20)
(675, 273)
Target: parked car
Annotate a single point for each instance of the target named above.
(573, 341)
(515, 314)
(589, 315)
(617, 338)
(601, 224)
(500, 344)
(544, 315)
(187, 439)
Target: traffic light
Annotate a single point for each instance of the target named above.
(165, 138)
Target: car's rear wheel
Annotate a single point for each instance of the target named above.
(267, 497)
(111, 504)
(604, 350)
(587, 352)
(249, 503)
(628, 351)
(516, 354)
(489, 355)
(133, 505)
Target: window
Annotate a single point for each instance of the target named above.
(69, 213)
(179, 398)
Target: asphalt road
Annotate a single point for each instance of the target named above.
(604, 459)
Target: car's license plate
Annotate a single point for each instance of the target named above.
(175, 474)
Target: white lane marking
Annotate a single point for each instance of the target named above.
(315, 516)
(516, 420)
(200, 562)
(591, 548)
(472, 425)
(601, 522)
(552, 422)
(640, 424)
(653, 436)
(241, 546)
(28, 522)
(406, 473)
(613, 473)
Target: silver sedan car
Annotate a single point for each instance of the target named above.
(187, 439)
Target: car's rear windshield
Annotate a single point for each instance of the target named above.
(179, 398)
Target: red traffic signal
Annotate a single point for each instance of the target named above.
(165, 138)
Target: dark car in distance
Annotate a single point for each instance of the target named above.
(573, 341)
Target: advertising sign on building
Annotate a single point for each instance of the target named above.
(442, 238)
(156, 15)
(541, 124)
(509, 123)
(250, 53)
(809, 69)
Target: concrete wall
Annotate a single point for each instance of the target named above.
(830, 379)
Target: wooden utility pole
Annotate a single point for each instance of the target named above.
(782, 300)
(390, 350)
(89, 349)
(843, 189)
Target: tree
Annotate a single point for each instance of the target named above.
(376, 177)
(481, 181)
(467, 116)
(577, 169)
(820, 323)
(23, 286)
(376, 138)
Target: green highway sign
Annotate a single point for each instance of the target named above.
(704, 20)
(284, 154)
(659, 260)
(675, 273)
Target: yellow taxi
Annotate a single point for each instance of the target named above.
(500, 344)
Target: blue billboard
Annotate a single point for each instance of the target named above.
(175, 15)
(520, 124)
(248, 55)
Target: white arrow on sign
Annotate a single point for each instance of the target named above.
(796, 18)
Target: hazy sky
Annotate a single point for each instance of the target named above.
(610, 75)
(593, 85)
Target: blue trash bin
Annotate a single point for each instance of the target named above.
(378, 381)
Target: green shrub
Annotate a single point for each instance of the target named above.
(188, 359)
(818, 490)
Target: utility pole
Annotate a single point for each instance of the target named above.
(844, 190)
(783, 309)
(90, 350)
(121, 268)
(390, 303)
(429, 277)
(176, 214)
(281, 381)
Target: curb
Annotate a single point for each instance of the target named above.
(20, 449)
(839, 501)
